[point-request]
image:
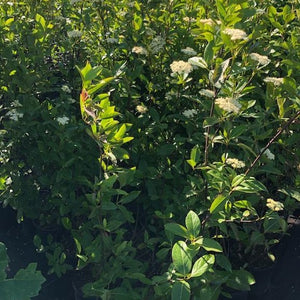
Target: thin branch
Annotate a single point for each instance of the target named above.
(272, 140)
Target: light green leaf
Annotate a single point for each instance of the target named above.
(181, 290)
(198, 61)
(202, 265)
(209, 244)
(195, 154)
(177, 229)
(237, 180)
(217, 203)
(250, 185)
(100, 85)
(181, 258)
(192, 223)
(92, 74)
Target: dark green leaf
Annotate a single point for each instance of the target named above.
(181, 290)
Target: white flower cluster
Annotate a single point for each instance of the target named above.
(190, 113)
(260, 59)
(274, 205)
(228, 104)
(189, 20)
(235, 34)
(209, 22)
(235, 163)
(269, 154)
(14, 115)
(63, 120)
(73, 34)
(139, 50)
(207, 93)
(157, 44)
(274, 80)
(189, 51)
(181, 67)
(141, 109)
(111, 40)
(66, 89)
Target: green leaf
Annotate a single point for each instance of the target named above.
(195, 154)
(198, 61)
(181, 290)
(40, 19)
(192, 223)
(250, 185)
(217, 203)
(223, 262)
(92, 74)
(100, 85)
(139, 276)
(240, 280)
(209, 52)
(181, 258)
(288, 14)
(237, 180)
(137, 22)
(25, 285)
(66, 223)
(210, 244)
(130, 197)
(3, 261)
(177, 229)
(202, 265)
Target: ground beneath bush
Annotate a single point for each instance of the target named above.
(278, 282)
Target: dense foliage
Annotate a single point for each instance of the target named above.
(158, 140)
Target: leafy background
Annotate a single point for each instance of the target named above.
(110, 158)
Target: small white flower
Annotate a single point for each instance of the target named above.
(63, 120)
(66, 89)
(157, 44)
(207, 93)
(8, 181)
(189, 51)
(269, 154)
(190, 113)
(274, 205)
(181, 67)
(260, 59)
(74, 34)
(229, 104)
(141, 109)
(189, 20)
(274, 80)
(14, 115)
(139, 50)
(111, 40)
(209, 22)
(235, 34)
(235, 163)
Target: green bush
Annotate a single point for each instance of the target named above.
(192, 112)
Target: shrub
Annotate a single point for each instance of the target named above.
(191, 109)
